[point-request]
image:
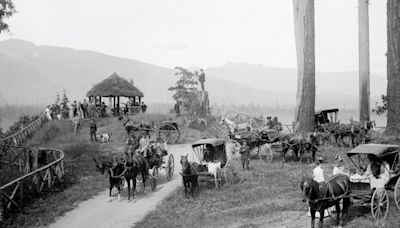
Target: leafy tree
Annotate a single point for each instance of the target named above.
(381, 108)
(64, 106)
(7, 9)
(184, 87)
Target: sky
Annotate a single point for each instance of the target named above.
(201, 33)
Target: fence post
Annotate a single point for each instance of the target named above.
(1, 206)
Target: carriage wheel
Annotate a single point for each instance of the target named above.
(171, 135)
(397, 193)
(170, 167)
(232, 174)
(232, 149)
(155, 172)
(380, 204)
(266, 154)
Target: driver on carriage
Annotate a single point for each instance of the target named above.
(377, 171)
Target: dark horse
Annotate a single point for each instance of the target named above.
(135, 164)
(189, 175)
(115, 170)
(321, 196)
(299, 143)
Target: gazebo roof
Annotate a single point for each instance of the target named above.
(114, 86)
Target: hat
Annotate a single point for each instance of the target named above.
(320, 159)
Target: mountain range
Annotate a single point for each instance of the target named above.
(32, 74)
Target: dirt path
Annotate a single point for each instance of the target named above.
(98, 212)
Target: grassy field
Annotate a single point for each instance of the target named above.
(269, 197)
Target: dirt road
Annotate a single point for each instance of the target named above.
(98, 212)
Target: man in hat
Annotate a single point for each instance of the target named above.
(202, 79)
(245, 155)
(318, 171)
(93, 129)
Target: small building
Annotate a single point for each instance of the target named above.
(115, 87)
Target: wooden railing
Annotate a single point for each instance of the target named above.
(46, 168)
(40, 168)
(22, 135)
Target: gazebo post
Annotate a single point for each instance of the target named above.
(118, 105)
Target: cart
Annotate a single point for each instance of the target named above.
(360, 188)
(158, 162)
(168, 131)
(214, 162)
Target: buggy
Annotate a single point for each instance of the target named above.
(361, 193)
(168, 130)
(214, 161)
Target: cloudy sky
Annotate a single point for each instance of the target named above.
(201, 33)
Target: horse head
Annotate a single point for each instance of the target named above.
(308, 188)
(185, 164)
(101, 167)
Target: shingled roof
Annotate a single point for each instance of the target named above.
(114, 86)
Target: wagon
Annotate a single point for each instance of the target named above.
(168, 130)
(360, 188)
(258, 141)
(214, 162)
(158, 163)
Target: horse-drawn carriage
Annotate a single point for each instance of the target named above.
(168, 130)
(215, 162)
(376, 172)
(326, 121)
(136, 166)
(363, 192)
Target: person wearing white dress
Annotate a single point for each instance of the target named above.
(47, 112)
(318, 172)
(339, 168)
(377, 171)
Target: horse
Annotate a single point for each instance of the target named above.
(234, 127)
(321, 196)
(115, 170)
(189, 175)
(299, 143)
(135, 164)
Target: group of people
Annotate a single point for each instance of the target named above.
(83, 109)
(131, 104)
(377, 171)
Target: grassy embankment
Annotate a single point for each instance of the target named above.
(269, 197)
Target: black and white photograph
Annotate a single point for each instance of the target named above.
(199, 113)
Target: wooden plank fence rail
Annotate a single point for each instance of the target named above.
(22, 135)
(41, 177)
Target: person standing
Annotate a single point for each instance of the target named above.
(339, 168)
(318, 171)
(144, 107)
(93, 129)
(177, 109)
(47, 112)
(80, 110)
(85, 109)
(74, 109)
(202, 79)
(245, 155)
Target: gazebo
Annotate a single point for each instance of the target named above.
(115, 87)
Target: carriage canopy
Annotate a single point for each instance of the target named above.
(215, 142)
(379, 150)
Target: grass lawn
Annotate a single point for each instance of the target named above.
(269, 197)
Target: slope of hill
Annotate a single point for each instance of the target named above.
(32, 74)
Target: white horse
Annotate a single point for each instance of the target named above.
(234, 127)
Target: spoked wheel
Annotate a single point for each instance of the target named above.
(170, 167)
(232, 173)
(397, 193)
(266, 153)
(380, 204)
(169, 133)
(232, 149)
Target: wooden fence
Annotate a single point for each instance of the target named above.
(46, 168)
(40, 168)
(22, 135)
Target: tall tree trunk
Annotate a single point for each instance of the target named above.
(363, 60)
(393, 67)
(303, 11)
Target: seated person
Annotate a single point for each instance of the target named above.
(339, 168)
(377, 171)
